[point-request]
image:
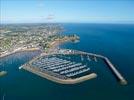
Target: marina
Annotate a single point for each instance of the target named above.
(65, 66)
(60, 68)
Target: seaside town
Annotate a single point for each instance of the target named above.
(39, 36)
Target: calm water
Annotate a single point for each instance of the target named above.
(114, 41)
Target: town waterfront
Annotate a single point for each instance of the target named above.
(114, 41)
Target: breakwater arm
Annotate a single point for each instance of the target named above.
(116, 72)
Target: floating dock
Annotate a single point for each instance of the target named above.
(59, 69)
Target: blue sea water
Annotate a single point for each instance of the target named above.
(115, 41)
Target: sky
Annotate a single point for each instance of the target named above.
(67, 11)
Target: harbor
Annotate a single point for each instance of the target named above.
(60, 69)
(58, 66)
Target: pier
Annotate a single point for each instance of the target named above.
(116, 72)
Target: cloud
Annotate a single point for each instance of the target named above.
(50, 17)
(14, 19)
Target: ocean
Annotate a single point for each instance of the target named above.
(115, 41)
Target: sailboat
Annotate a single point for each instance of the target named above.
(82, 58)
(3, 98)
(88, 58)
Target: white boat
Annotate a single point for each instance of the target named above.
(20, 67)
(88, 58)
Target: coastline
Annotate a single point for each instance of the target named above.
(18, 50)
(53, 46)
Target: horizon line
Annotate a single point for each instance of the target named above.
(67, 23)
